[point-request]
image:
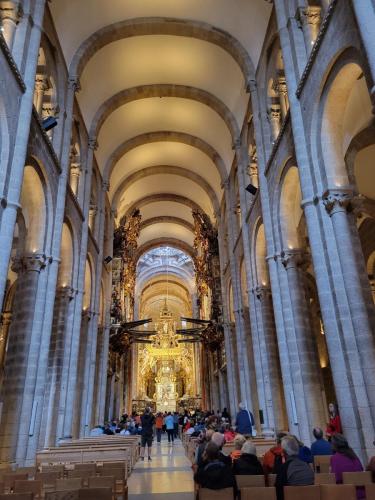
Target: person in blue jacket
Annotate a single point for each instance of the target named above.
(244, 420)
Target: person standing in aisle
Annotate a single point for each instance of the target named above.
(169, 423)
(159, 426)
(147, 433)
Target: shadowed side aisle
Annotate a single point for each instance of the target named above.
(168, 476)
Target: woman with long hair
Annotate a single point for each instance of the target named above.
(334, 424)
(344, 460)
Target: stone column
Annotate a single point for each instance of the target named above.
(253, 170)
(274, 116)
(64, 295)
(230, 360)
(78, 425)
(92, 215)
(339, 204)
(9, 214)
(242, 358)
(103, 373)
(282, 90)
(40, 88)
(10, 15)
(304, 360)
(310, 18)
(19, 359)
(270, 360)
(76, 330)
(6, 320)
(75, 173)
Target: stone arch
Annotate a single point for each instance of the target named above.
(159, 242)
(290, 211)
(164, 90)
(34, 209)
(167, 219)
(163, 197)
(344, 111)
(161, 136)
(67, 260)
(162, 26)
(167, 169)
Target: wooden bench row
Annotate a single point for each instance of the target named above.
(321, 492)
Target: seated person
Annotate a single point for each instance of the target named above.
(320, 446)
(238, 442)
(219, 440)
(98, 430)
(229, 434)
(344, 460)
(215, 474)
(274, 457)
(304, 452)
(248, 462)
(371, 467)
(294, 472)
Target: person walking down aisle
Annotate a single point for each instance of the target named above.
(147, 422)
(169, 423)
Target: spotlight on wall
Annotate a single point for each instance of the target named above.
(251, 189)
(108, 259)
(49, 123)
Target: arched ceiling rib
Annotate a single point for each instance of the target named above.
(167, 219)
(162, 241)
(166, 153)
(127, 183)
(162, 136)
(160, 183)
(164, 90)
(169, 231)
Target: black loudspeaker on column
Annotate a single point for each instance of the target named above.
(251, 189)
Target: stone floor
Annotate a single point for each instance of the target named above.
(168, 476)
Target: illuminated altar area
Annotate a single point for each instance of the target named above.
(166, 371)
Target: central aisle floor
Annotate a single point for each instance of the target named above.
(168, 476)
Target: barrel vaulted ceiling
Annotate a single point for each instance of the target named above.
(164, 90)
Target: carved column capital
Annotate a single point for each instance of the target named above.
(225, 183)
(66, 292)
(105, 186)
(274, 113)
(11, 11)
(294, 258)
(87, 314)
(262, 292)
(31, 262)
(74, 84)
(339, 200)
(6, 318)
(280, 85)
(93, 143)
(310, 15)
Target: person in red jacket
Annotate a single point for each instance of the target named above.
(274, 457)
(334, 424)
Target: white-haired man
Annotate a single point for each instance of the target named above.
(294, 472)
(244, 421)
